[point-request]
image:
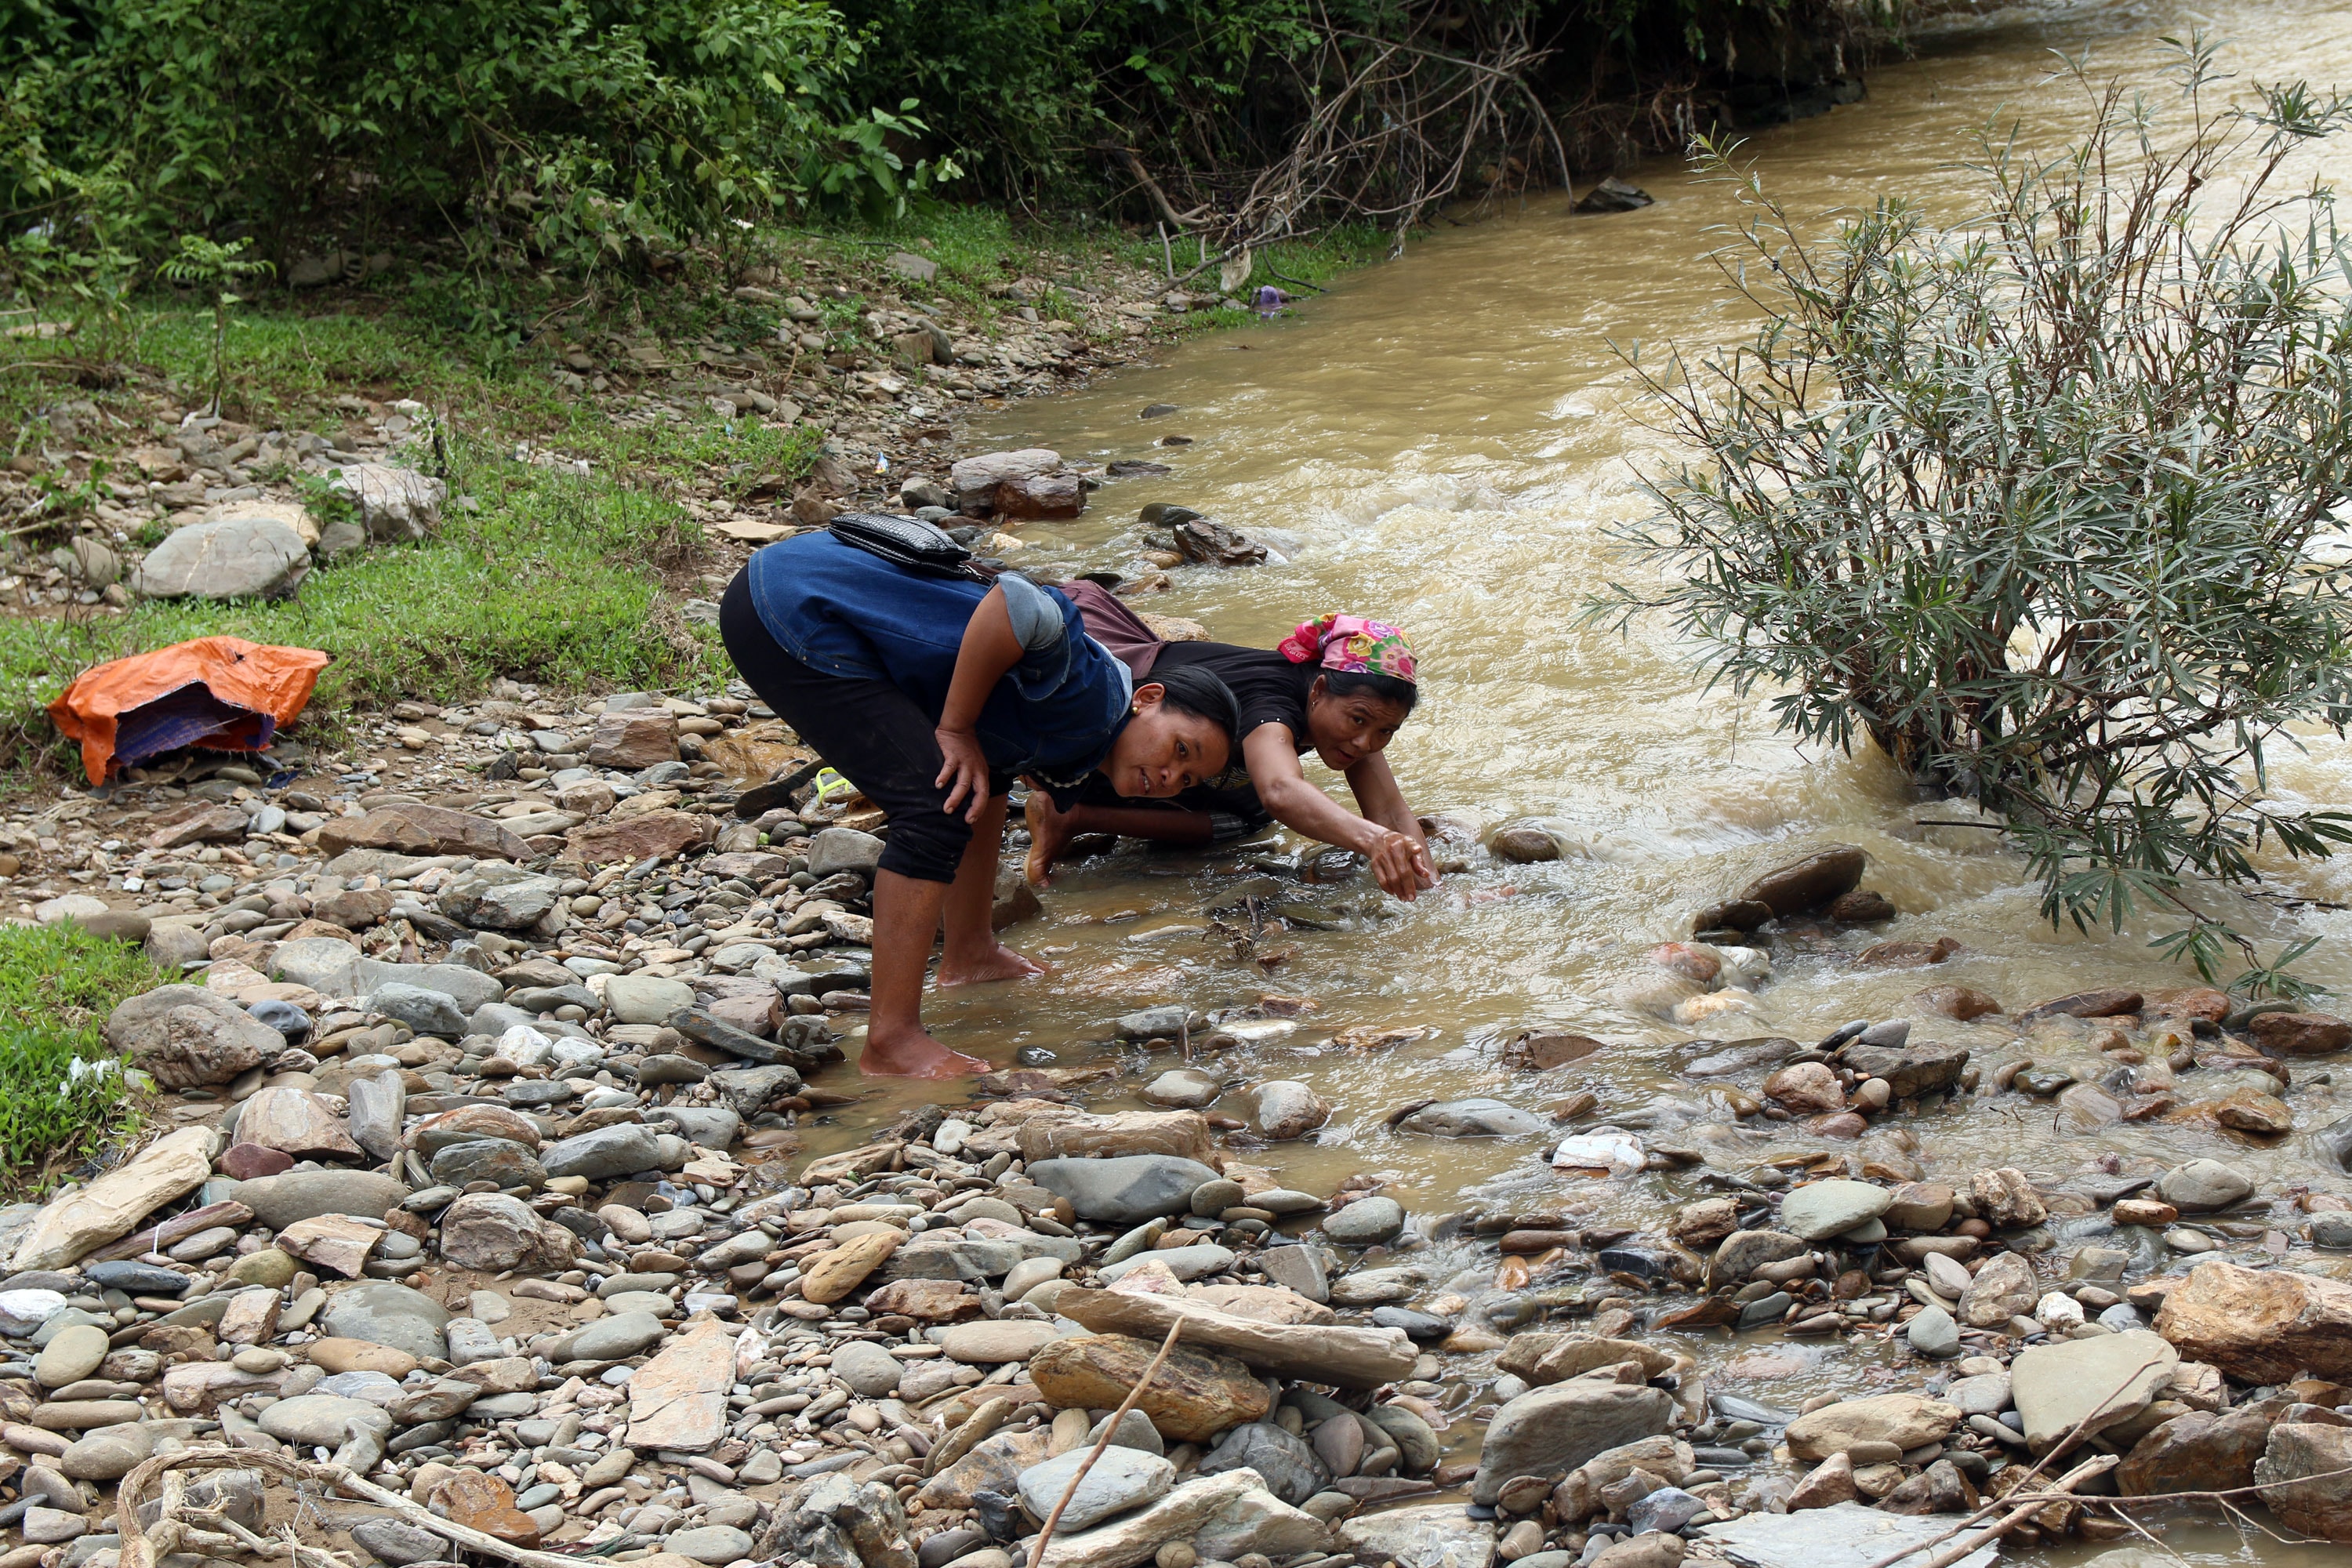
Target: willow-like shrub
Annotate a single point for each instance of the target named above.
(2048, 502)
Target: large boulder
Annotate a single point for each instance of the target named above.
(2101, 1381)
(2303, 1476)
(1802, 886)
(1906, 1420)
(1194, 1397)
(2204, 1451)
(1553, 1430)
(234, 558)
(2261, 1326)
(186, 1037)
(396, 505)
(297, 1122)
(493, 1233)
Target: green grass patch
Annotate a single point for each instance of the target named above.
(56, 985)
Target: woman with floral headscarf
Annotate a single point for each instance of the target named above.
(1340, 685)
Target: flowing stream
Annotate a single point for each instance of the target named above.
(1441, 442)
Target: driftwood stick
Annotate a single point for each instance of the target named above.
(2143, 1499)
(2057, 1451)
(1110, 1430)
(1952, 1551)
(139, 1551)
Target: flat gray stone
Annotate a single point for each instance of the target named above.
(1366, 1222)
(842, 849)
(279, 1201)
(1288, 1466)
(1934, 1333)
(1825, 1209)
(324, 1420)
(231, 558)
(1848, 1535)
(646, 998)
(500, 897)
(870, 1371)
(391, 1541)
(427, 1012)
(1478, 1117)
(1122, 1479)
(1435, 1535)
(2058, 1385)
(712, 1543)
(1126, 1189)
(385, 1313)
(1187, 1263)
(2204, 1186)
(469, 988)
(325, 963)
(608, 1152)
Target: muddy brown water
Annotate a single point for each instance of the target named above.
(1440, 442)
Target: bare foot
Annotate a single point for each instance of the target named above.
(1049, 830)
(914, 1055)
(1000, 963)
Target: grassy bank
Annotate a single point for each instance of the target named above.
(565, 567)
(56, 985)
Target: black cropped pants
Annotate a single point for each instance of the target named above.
(872, 733)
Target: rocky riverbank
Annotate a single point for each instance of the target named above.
(480, 1172)
(868, 349)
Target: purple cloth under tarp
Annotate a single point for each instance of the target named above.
(189, 716)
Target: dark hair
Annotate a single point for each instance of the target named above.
(1191, 690)
(1371, 683)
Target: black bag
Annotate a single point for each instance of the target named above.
(908, 541)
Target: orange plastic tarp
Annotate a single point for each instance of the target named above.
(255, 688)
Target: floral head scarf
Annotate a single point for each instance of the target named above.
(1352, 645)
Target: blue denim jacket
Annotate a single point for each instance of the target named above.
(838, 609)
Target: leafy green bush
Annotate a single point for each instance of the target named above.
(61, 1089)
(2046, 504)
(573, 127)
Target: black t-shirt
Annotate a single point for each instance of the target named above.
(1269, 688)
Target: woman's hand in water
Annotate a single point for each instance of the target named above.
(967, 767)
(1401, 865)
